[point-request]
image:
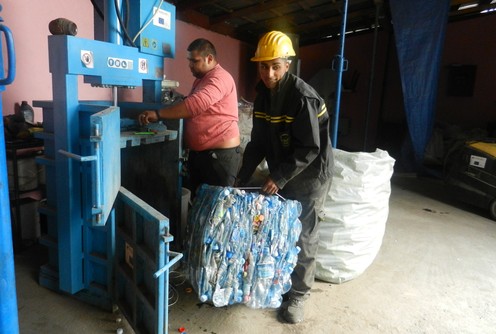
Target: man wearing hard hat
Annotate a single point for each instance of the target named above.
(291, 131)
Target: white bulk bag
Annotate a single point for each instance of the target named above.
(356, 210)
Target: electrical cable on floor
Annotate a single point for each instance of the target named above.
(173, 295)
(178, 275)
(178, 279)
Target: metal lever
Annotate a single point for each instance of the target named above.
(78, 157)
(97, 208)
(177, 257)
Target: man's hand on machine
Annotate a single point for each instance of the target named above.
(147, 117)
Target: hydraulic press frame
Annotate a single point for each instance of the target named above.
(105, 245)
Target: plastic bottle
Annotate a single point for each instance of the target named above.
(274, 297)
(265, 275)
(27, 112)
(289, 265)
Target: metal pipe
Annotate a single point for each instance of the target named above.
(340, 58)
(378, 3)
(9, 319)
(112, 28)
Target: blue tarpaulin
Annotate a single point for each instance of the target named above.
(419, 28)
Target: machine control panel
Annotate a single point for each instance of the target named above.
(154, 27)
(125, 64)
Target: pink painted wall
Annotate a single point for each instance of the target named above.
(233, 55)
(467, 42)
(29, 20)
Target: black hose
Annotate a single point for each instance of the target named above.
(123, 27)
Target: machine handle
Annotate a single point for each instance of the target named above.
(177, 257)
(78, 157)
(97, 208)
(9, 42)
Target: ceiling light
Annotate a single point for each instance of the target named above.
(468, 5)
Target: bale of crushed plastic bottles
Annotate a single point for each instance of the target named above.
(242, 246)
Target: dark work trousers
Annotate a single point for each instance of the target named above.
(311, 194)
(217, 167)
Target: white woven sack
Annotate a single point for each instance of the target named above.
(356, 212)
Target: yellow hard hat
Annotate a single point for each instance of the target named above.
(272, 45)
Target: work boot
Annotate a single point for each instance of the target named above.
(292, 311)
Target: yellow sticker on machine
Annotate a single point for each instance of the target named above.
(489, 148)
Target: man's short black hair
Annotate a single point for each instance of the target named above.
(203, 46)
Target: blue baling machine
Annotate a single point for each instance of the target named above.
(112, 194)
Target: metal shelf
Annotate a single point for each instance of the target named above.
(17, 150)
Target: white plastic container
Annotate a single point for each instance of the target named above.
(27, 174)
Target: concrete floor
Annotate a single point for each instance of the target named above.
(435, 273)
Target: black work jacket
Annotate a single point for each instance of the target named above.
(291, 131)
